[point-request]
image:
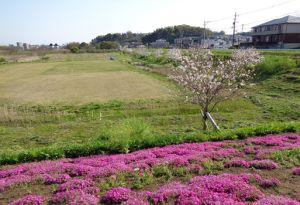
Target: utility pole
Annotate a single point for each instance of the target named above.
(233, 35)
(204, 33)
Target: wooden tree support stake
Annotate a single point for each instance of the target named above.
(210, 118)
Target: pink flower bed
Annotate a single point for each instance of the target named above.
(29, 200)
(276, 200)
(76, 178)
(211, 189)
(296, 171)
(76, 191)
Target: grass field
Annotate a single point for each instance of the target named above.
(76, 98)
(76, 81)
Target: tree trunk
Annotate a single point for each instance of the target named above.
(204, 119)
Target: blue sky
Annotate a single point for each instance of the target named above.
(62, 21)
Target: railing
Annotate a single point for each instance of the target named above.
(266, 33)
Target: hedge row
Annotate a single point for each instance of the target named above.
(107, 147)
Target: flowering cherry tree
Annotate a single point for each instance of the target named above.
(209, 81)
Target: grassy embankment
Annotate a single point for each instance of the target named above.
(76, 105)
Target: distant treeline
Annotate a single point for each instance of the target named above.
(168, 33)
(121, 38)
(114, 40)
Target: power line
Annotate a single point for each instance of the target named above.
(255, 22)
(252, 11)
(270, 7)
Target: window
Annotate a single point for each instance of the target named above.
(267, 39)
(279, 27)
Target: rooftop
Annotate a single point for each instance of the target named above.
(286, 19)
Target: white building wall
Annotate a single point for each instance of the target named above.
(292, 28)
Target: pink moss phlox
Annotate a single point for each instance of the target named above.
(263, 164)
(267, 183)
(76, 191)
(76, 184)
(296, 171)
(12, 172)
(188, 197)
(14, 180)
(237, 163)
(167, 191)
(135, 201)
(179, 162)
(55, 178)
(195, 168)
(250, 150)
(186, 155)
(116, 195)
(29, 200)
(276, 200)
(74, 197)
(234, 186)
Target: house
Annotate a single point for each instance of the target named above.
(278, 33)
(217, 42)
(160, 43)
(187, 42)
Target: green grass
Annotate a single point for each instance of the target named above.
(130, 143)
(70, 128)
(77, 81)
(287, 158)
(289, 53)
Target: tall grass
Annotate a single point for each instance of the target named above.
(141, 139)
(272, 65)
(130, 134)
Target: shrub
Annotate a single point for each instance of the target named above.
(2, 60)
(107, 45)
(74, 47)
(45, 58)
(275, 64)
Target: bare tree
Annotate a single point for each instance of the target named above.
(209, 81)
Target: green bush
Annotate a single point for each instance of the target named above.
(134, 135)
(45, 58)
(149, 60)
(2, 60)
(108, 45)
(275, 64)
(74, 47)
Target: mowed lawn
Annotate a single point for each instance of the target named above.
(77, 81)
